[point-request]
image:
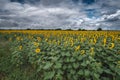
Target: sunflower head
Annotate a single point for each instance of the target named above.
(77, 48)
(82, 52)
(37, 50)
(112, 46)
(20, 47)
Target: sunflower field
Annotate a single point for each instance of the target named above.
(59, 55)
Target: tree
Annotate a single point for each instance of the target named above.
(99, 29)
(58, 29)
(79, 29)
(28, 29)
(69, 29)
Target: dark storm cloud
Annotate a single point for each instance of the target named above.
(88, 1)
(74, 14)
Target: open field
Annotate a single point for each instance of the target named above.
(59, 55)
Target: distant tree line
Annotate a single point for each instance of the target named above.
(99, 29)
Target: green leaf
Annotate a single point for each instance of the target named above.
(100, 70)
(79, 58)
(67, 54)
(75, 65)
(81, 72)
(105, 78)
(86, 72)
(69, 66)
(87, 62)
(63, 54)
(72, 71)
(48, 65)
(64, 67)
(108, 71)
(67, 60)
(58, 65)
(84, 64)
(96, 76)
(75, 77)
(59, 77)
(49, 75)
(54, 58)
(72, 59)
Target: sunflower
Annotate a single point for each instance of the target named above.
(38, 38)
(82, 52)
(37, 50)
(77, 48)
(20, 47)
(36, 44)
(112, 46)
(92, 51)
(104, 41)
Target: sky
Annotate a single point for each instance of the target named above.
(64, 14)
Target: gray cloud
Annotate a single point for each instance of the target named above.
(51, 14)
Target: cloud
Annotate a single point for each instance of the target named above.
(37, 17)
(113, 17)
(52, 14)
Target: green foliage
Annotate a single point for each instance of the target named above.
(57, 62)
